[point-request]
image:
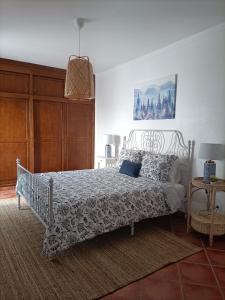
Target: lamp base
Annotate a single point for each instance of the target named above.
(108, 151)
(209, 170)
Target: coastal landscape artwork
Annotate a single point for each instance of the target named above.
(156, 99)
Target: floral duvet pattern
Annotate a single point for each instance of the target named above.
(87, 203)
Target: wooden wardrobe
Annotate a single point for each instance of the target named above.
(38, 125)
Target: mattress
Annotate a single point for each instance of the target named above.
(87, 203)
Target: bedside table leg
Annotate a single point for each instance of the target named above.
(210, 240)
(212, 198)
(189, 207)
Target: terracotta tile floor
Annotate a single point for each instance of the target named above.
(200, 276)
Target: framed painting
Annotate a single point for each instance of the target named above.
(156, 99)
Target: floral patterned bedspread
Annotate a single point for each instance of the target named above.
(87, 203)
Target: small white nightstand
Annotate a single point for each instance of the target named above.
(106, 162)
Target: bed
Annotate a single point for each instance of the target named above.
(78, 205)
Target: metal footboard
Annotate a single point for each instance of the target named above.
(38, 194)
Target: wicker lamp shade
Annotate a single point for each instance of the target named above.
(79, 79)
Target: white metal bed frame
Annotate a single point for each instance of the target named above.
(33, 188)
(154, 141)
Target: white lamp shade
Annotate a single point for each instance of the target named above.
(116, 140)
(108, 139)
(210, 151)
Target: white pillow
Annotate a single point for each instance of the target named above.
(157, 166)
(180, 171)
(131, 155)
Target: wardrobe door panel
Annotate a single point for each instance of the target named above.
(12, 82)
(79, 120)
(78, 155)
(47, 86)
(13, 118)
(48, 129)
(48, 156)
(79, 135)
(48, 119)
(14, 140)
(8, 154)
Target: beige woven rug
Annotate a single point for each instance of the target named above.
(87, 271)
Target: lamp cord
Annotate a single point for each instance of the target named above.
(79, 40)
(80, 24)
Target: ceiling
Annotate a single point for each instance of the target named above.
(42, 32)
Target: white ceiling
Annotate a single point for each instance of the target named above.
(42, 31)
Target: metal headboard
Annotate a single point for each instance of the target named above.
(161, 142)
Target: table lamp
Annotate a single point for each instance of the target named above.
(211, 152)
(109, 140)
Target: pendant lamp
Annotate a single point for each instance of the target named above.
(79, 84)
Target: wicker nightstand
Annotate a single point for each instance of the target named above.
(209, 221)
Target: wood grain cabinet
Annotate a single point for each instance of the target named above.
(47, 86)
(37, 124)
(14, 82)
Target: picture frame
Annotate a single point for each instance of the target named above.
(156, 99)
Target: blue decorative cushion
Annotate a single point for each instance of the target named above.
(130, 168)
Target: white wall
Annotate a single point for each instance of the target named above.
(199, 62)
